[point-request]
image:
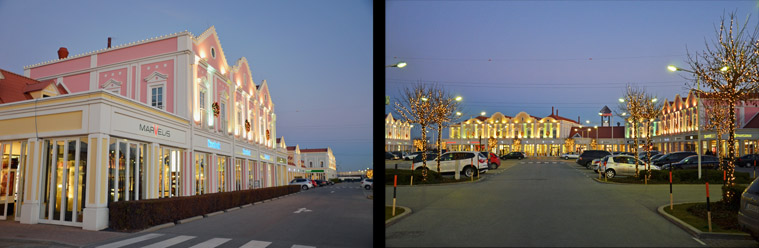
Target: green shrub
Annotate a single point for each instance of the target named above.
(137, 215)
(733, 203)
(691, 176)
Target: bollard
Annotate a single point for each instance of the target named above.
(724, 175)
(457, 175)
(395, 185)
(471, 161)
(671, 207)
(605, 171)
(708, 208)
(754, 168)
(411, 183)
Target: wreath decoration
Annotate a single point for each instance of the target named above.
(216, 110)
(267, 135)
(247, 126)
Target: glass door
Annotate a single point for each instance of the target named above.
(126, 163)
(13, 157)
(64, 171)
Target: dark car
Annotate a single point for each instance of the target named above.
(430, 157)
(748, 160)
(493, 161)
(389, 155)
(398, 155)
(513, 155)
(642, 155)
(691, 162)
(321, 182)
(672, 158)
(587, 156)
(748, 214)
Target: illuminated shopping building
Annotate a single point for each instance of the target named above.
(397, 135)
(676, 129)
(536, 136)
(320, 163)
(163, 117)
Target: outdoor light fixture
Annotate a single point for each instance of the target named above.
(424, 99)
(458, 113)
(654, 100)
(483, 113)
(458, 98)
(672, 68)
(400, 64)
(621, 100)
(724, 69)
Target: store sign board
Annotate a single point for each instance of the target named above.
(214, 144)
(245, 152)
(145, 128)
(266, 157)
(310, 171)
(743, 135)
(281, 160)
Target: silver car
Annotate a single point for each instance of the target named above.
(304, 183)
(748, 214)
(623, 165)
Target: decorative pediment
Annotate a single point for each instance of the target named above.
(156, 77)
(111, 83)
(577, 135)
(225, 95)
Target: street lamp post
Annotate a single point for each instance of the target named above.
(400, 64)
(698, 113)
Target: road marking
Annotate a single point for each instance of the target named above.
(302, 210)
(256, 244)
(302, 246)
(697, 240)
(170, 242)
(131, 241)
(214, 242)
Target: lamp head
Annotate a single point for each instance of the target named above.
(672, 68)
(401, 64)
(458, 98)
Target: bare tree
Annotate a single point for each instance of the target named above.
(444, 107)
(651, 109)
(716, 112)
(728, 69)
(415, 106)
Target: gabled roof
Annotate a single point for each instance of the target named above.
(603, 132)
(14, 87)
(313, 150)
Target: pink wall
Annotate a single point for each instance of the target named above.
(118, 75)
(139, 51)
(204, 48)
(60, 67)
(163, 67)
(77, 83)
(134, 79)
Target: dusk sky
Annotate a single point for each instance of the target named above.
(577, 56)
(316, 56)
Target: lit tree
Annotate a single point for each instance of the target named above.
(444, 108)
(632, 104)
(516, 145)
(650, 111)
(415, 106)
(728, 70)
(492, 142)
(569, 144)
(716, 112)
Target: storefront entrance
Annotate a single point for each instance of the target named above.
(65, 181)
(127, 162)
(13, 155)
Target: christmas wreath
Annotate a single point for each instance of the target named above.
(216, 110)
(247, 126)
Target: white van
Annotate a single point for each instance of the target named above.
(468, 163)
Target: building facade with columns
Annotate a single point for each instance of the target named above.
(163, 117)
(676, 129)
(397, 135)
(320, 163)
(535, 136)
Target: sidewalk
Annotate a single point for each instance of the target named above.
(64, 235)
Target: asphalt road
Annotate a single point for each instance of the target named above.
(543, 202)
(334, 216)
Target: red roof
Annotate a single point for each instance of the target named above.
(277, 140)
(481, 118)
(313, 150)
(753, 123)
(14, 87)
(291, 148)
(603, 132)
(562, 118)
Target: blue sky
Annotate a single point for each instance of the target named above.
(512, 56)
(315, 55)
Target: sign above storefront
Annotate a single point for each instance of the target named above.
(310, 171)
(281, 160)
(123, 124)
(214, 144)
(266, 157)
(245, 152)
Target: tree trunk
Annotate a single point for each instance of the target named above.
(439, 145)
(635, 150)
(648, 151)
(731, 144)
(424, 153)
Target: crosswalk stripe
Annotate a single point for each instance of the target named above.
(302, 246)
(170, 242)
(131, 241)
(211, 243)
(256, 244)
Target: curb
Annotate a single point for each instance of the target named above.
(232, 209)
(439, 184)
(607, 182)
(189, 219)
(158, 227)
(58, 243)
(246, 205)
(698, 233)
(406, 212)
(212, 214)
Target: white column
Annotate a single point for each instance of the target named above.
(96, 204)
(30, 210)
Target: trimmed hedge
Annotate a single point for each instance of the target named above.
(138, 215)
(733, 203)
(691, 176)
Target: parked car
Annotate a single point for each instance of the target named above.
(587, 156)
(390, 155)
(493, 161)
(513, 155)
(398, 155)
(642, 155)
(469, 163)
(304, 183)
(366, 183)
(748, 214)
(321, 183)
(623, 165)
(672, 158)
(572, 155)
(410, 156)
(691, 162)
(748, 160)
(595, 163)
(430, 157)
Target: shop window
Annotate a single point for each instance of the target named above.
(310, 164)
(201, 164)
(322, 164)
(170, 164)
(222, 168)
(223, 116)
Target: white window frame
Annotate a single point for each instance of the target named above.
(156, 80)
(162, 86)
(112, 86)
